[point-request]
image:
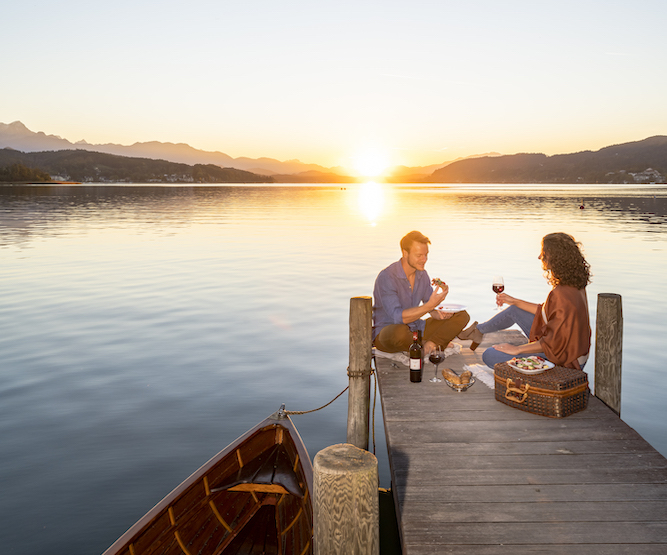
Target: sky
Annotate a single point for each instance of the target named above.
(339, 83)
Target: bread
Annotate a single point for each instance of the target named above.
(457, 379)
(451, 377)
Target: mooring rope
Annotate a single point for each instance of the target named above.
(319, 408)
(336, 397)
(375, 396)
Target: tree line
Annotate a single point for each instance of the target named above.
(18, 173)
(96, 167)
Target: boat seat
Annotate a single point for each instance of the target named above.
(270, 472)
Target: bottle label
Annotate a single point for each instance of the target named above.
(415, 364)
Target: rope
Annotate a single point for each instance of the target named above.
(319, 408)
(353, 374)
(375, 396)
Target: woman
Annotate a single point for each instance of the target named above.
(558, 330)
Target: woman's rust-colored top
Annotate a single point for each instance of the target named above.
(562, 326)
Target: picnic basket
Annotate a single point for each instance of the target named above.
(556, 393)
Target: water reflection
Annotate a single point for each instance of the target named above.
(371, 201)
(136, 318)
(28, 211)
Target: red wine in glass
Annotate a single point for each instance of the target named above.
(498, 287)
(436, 357)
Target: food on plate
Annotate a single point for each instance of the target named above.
(529, 363)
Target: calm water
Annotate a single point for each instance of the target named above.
(143, 328)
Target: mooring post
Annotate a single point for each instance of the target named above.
(359, 371)
(609, 350)
(346, 513)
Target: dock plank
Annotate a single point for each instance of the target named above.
(472, 475)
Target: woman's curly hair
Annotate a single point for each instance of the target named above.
(564, 262)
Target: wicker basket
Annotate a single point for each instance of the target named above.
(555, 393)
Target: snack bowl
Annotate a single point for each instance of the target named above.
(460, 386)
(454, 380)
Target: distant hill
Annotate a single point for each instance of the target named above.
(97, 167)
(17, 136)
(636, 162)
(406, 174)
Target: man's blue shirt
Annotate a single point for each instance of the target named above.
(392, 295)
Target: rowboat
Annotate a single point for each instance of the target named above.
(251, 498)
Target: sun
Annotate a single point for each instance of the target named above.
(371, 162)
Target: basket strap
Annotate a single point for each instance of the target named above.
(523, 391)
(517, 394)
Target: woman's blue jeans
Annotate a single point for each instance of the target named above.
(501, 321)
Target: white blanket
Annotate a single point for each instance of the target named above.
(403, 358)
(482, 373)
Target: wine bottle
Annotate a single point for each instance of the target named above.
(416, 357)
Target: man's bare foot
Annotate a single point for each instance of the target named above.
(429, 346)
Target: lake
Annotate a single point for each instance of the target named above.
(145, 327)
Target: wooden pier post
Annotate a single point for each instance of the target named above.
(346, 518)
(359, 371)
(609, 350)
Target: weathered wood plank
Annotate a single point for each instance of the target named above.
(472, 475)
(519, 493)
(403, 478)
(545, 533)
(533, 549)
(567, 447)
(494, 431)
(426, 514)
(611, 463)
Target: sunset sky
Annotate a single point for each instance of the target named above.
(339, 83)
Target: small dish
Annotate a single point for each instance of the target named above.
(460, 386)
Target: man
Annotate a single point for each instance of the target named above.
(403, 294)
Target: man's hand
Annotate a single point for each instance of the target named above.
(437, 298)
(440, 314)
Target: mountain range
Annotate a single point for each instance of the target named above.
(17, 136)
(635, 162)
(642, 161)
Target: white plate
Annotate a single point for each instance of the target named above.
(450, 307)
(548, 365)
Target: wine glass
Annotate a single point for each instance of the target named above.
(498, 287)
(436, 357)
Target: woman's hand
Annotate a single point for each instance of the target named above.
(525, 349)
(504, 298)
(507, 348)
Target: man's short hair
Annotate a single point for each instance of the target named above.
(413, 236)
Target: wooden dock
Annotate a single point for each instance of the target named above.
(471, 475)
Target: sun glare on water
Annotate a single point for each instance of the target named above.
(371, 201)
